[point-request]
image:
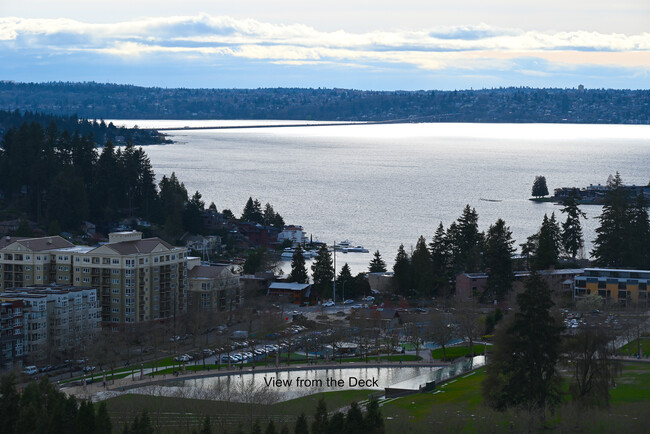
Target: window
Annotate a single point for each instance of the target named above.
(115, 290)
(622, 285)
(115, 319)
(87, 260)
(115, 310)
(38, 258)
(39, 278)
(115, 271)
(116, 281)
(86, 280)
(602, 284)
(76, 259)
(77, 269)
(28, 268)
(28, 276)
(86, 270)
(643, 286)
(115, 300)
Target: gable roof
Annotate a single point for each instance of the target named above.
(148, 245)
(206, 271)
(38, 244)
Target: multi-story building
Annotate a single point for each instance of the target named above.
(57, 319)
(34, 261)
(293, 233)
(138, 280)
(212, 287)
(614, 285)
(11, 333)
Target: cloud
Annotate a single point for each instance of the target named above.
(192, 39)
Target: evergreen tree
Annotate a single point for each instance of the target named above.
(402, 271)
(498, 260)
(301, 425)
(173, 197)
(249, 210)
(319, 426)
(8, 402)
(336, 423)
(611, 244)
(522, 371)
(142, 424)
(322, 271)
(270, 428)
(86, 418)
(373, 421)
(638, 251)
(354, 420)
(539, 187)
(467, 241)
(440, 259)
(345, 278)
(193, 214)
(103, 423)
(269, 215)
(421, 267)
(548, 248)
(572, 239)
(298, 269)
(377, 264)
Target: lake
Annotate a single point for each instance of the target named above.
(382, 185)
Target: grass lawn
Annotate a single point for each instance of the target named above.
(633, 385)
(631, 348)
(458, 351)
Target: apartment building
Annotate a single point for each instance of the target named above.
(138, 280)
(212, 287)
(58, 320)
(11, 333)
(614, 285)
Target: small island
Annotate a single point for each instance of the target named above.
(590, 195)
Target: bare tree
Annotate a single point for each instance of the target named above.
(468, 316)
(414, 334)
(589, 359)
(442, 330)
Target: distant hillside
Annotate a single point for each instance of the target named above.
(96, 101)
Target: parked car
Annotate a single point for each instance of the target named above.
(328, 303)
(348, 302)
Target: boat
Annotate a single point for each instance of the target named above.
(490, 200)
(358, 249)
(288, 253)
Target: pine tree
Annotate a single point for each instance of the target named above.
(86, 417)
(301, 425)
(421, 267)
(522, 371)
(345, 281)
(467, 241)
(638, 251)
(611, 244)
(298, 269)
(354, 420)
(498, 260)
(103, 423)
(249, 210)
(319, 426)
(402, 271)
(9, 402)
(377, 264)
(548, 244)
(572, 239)
(270, 428)
(322, 271)
(373, 421)
(336, 424)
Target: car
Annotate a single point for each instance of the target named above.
(356, 306)
(328, 304)
(208, 352)
(348, 301)
(30, 370)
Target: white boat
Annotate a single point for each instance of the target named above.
(359, 249)
(288, 253)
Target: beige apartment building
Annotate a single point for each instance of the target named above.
(212, 287)
(137, 280)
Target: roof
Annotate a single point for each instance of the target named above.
(206, 272)
(289, 286)
(138, 246)
(40, 244)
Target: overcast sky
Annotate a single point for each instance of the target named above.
(380, 45)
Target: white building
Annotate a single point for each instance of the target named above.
(294, 233)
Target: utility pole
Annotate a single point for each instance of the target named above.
(334, 280)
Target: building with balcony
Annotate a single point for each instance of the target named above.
(58, 320)
(213, 288)
(625, 287)
(137, 280)
(11, 333)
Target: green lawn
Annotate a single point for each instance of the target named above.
(631, 348)
(458, 351)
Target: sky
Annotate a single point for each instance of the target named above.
(370, 45)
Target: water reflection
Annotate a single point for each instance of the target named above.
(270, 387)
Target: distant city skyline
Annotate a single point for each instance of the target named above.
(355, 44)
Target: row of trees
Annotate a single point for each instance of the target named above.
(623, 240)
(268, 217)
(323, 275)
